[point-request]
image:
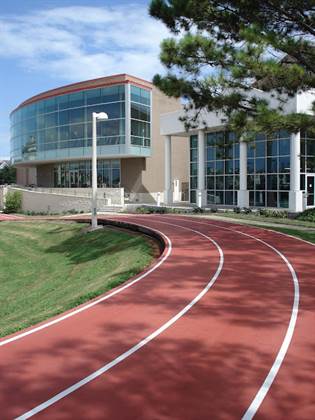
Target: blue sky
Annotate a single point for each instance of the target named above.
(48, 43)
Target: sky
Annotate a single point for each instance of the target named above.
(48, 43)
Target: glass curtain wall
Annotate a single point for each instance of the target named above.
(79, 174)
(65, 122)
(140, 112)
(268, 170)
(308, 167)
(193, 184)
(222, 167)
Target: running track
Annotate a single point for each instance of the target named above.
(5, 217)
(193, 339)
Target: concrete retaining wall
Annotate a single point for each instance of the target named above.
(3, 191)
(39, 201)
(112, 195)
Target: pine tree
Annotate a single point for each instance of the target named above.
(220, 50)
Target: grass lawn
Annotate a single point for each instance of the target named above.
(258, 218)
(49, 267)
(303, 234)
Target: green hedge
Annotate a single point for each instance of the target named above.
(13, 202)
(307, 215)
(151, 210)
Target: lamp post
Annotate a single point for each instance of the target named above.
(96, 116)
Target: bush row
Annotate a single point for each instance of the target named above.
(307, 215)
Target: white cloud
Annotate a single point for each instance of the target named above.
(76, 43)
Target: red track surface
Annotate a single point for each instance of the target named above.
(4, 217)
(209, 364)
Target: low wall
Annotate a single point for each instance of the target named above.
(144, 198)
(149, 198)
(39, 201)
(3, 191)
(112, 195)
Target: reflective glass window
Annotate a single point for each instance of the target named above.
(284, 147)
(76, 99)
(250, 166)
(260, 165)
(272, 182)
(283, 199)
(260, 199)
(260, 149)
(210, 182)
(284, 182)
(272, 165)
(50, 105)
(219, 166)
(272, 200)
(284, 164)
(76, 115)
(260, 182)
(210, 153)
(272, 148)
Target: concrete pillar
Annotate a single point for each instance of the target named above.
(243, 194)
(201, 190)
(296, 202)
(168, 171)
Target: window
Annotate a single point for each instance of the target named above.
(269, 170)
(140, 112)
(78, 174)
(76, 100)
(140, 116)
(57, 120)
(140, 95)
(221, 167)
(76, 115)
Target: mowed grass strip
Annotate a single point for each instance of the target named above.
(302, 234)
(48, 267)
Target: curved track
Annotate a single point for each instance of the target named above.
(222, 327)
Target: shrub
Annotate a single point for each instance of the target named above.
(150, 210)
(13, 202)
(198, 210)
(237, 209)
(307, 215)
(273, 213)
(246, 210)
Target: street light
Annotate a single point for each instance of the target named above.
(100, 116)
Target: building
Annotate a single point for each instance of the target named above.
(276, 172)
(51, 137)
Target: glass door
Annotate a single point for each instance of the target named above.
(310, 184)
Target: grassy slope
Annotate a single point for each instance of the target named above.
(306, 235)
(257, 218)
(46, 268)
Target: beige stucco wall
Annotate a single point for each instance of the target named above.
(41, 201)
(153, 177)
(146, 176)
(132, 170)
(26, 175)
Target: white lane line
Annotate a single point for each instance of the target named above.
(263, 390)
(136, 347)
(97, 301)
